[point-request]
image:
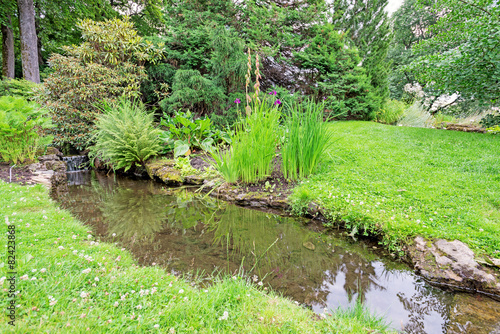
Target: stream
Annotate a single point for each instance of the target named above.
(195, 236)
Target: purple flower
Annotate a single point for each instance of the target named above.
(324, 98)
(237, 101)
(273, 93)
(277, 102)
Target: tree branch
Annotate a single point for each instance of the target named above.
(476, 6)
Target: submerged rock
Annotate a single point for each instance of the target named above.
(453, 263)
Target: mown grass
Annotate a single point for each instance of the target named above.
(401, 182)
(72, 283)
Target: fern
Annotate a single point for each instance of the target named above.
(125, 135)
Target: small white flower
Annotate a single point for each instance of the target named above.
(53, 302)
(260, 283)
(33, 278)
(205, 290)
(89, 236)
(96, 279)
(74, 236)
(224, 316)
(86, 271)
(139, 307)
(61, 247)
(113, 235)
(115, 304)
(43, 270)
(24, 277)
(181, 291)
(84, 294)
(33, 271)
(27, 225)
(156, 326)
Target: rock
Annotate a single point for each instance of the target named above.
(194, 179)
(452, 263)
(49, 157)
(309, 245)
(165, 171)
(56, 165)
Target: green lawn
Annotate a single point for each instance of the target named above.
(69, 283)
(401, 182)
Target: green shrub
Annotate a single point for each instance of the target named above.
(253, 146)
(21, 126)
(107, 65)
(305, 141)
(185, 133)
(18, 87)
(490, 121)
(391, 111)
(125, 135)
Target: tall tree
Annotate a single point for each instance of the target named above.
(368, 26)
(8, 58)
(29, 49)
(464, 51)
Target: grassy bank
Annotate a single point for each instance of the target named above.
(410, 181)
(68, 282)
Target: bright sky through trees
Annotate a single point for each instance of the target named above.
(393, 5)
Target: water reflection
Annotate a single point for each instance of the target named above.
(178, 230)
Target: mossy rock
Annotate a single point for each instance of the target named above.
(169, 175)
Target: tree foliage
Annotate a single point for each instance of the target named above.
(465, 50)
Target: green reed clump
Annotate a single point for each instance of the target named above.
(253, 146)
(305, 141)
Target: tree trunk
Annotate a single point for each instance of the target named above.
(29, 49)
(7, 49)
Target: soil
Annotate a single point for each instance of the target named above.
(20, 174)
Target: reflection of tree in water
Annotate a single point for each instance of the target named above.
(133, 214)
(421, 304)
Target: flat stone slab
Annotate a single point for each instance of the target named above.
(453, 263)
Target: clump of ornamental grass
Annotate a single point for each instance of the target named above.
(305, 141)
(125, 135)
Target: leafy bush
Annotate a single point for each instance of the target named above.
(107, 65)
(18, 87)
(416, 116)
(253, 146)
(21, 126)
(391, 111)
(306, 140)
(185, 133)
(490, 121)
(125, 135)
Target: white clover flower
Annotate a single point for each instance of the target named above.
(43, 270)
(224, 316)
(33, 278)
(74, 236)
(96, 279)
(113, 235)
(115, 304)
(181, 291)
(61, 247)
(139, 307)
(260, 283)
(24, 277)
(53, 302)
(86, 271)
(33, 271)
(84, 294)
(156, 326)
(89, 236)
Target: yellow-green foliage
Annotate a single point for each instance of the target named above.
(21, 126)
(391, 111)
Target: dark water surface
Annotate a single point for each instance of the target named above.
(185, 233)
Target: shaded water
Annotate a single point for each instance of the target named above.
(177, 229)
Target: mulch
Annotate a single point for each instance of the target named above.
(20, 174)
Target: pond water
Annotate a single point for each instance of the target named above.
(188, 234)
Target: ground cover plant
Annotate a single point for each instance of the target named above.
(69, 282)
(21, 129)
(401, 182)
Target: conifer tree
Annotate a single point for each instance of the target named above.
(368, 26)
